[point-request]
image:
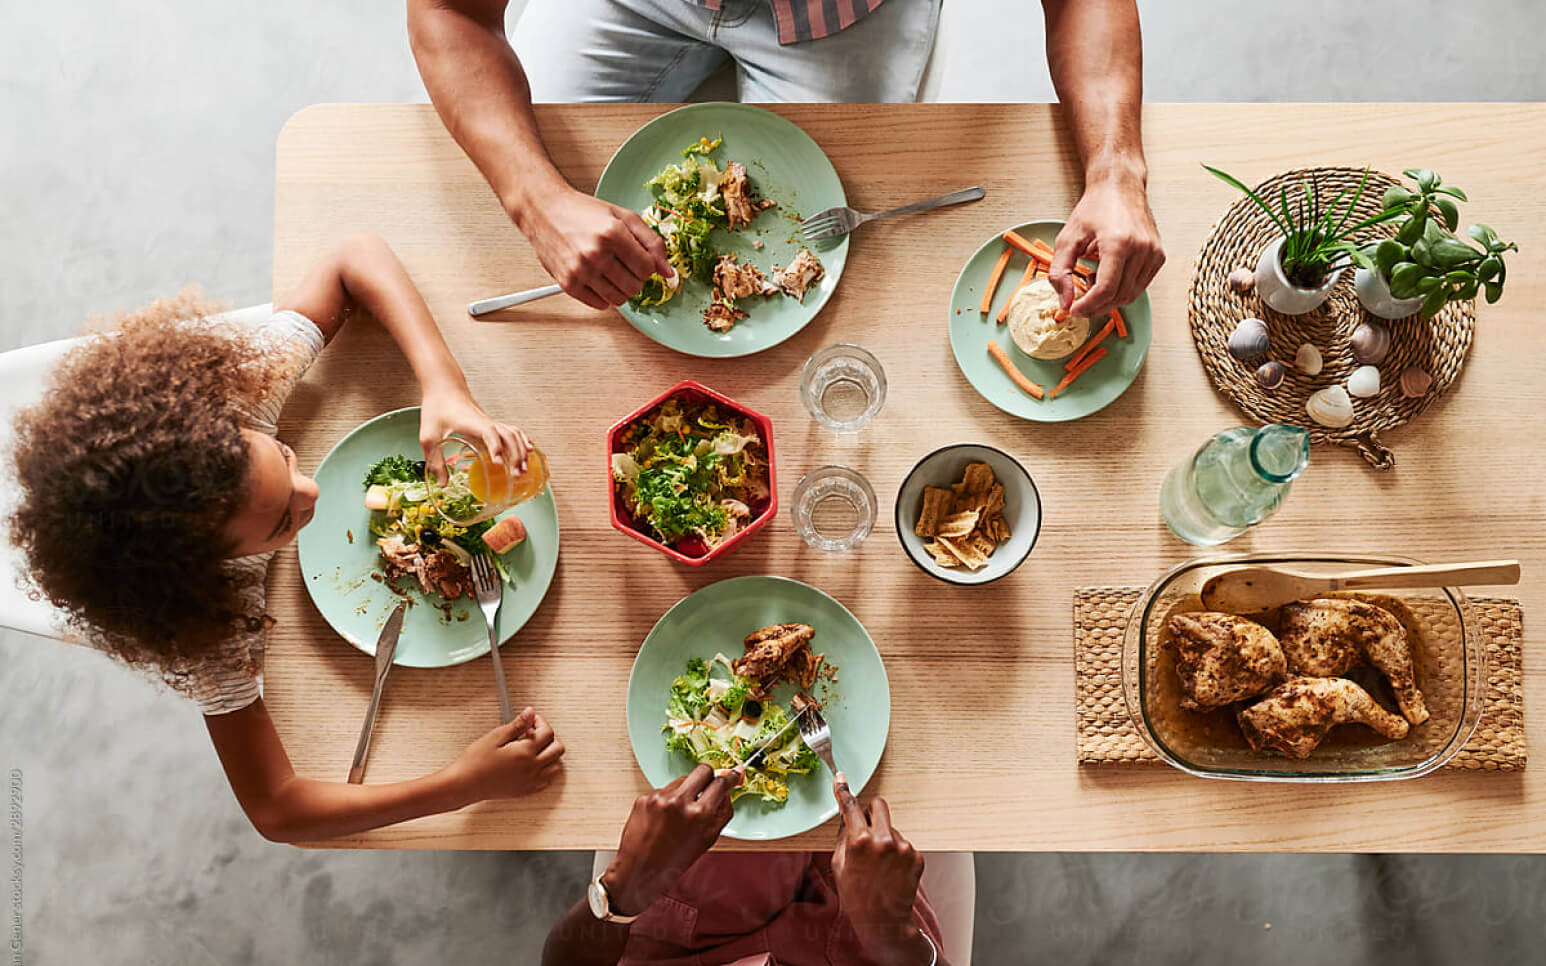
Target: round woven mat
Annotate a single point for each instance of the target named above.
(1438, 345)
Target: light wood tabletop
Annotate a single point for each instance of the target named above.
(981, 752)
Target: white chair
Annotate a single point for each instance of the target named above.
(24, 375)
(949, 879)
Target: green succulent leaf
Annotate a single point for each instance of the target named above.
(1425, 178)
(1489, 267)
(1434, 302)
(1388, 254)
(1494, 291)
(1395, 197)
(1453, 192)
(1450, 211)
(1425, 286)
(1468, 290)
(1483, 234)
(1404, 278)
(1422, 253)
(1411, 231)
(1450, 252)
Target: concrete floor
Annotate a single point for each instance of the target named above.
(137, 157)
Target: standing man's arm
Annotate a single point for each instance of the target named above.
(601, 254)
(1095, 53)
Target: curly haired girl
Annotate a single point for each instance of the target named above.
(155, 492)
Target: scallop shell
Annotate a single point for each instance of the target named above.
(1271, 374)
(1415, 382)
(1308, 360)
(1330, 407)
(1249, 340)
(1242, 281)
(1364, 382)
(1370, 344)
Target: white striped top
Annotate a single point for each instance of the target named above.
(232, 678)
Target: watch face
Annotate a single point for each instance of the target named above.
(597, 897)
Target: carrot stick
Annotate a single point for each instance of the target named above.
(997, 351)
(993, 280)
(1044, 254)
(1042, 248)
(1030, 273)
(1116, 316)
(1061, 315)
(1084, 270)
(1088, 347)
(1079, 370)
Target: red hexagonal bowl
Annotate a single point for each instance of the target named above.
(692, 392)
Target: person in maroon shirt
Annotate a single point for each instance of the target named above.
(665, 901)
(659, 50)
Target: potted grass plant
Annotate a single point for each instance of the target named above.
(1295, 273)
(1426, 266)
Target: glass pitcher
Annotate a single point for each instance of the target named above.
(1235, 481)
(478, 488)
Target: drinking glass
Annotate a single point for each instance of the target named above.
(480, 490)
(843, 386)
(834, 508)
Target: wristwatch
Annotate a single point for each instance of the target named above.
(601, 903)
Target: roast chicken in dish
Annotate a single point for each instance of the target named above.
(1328, 637)
(1221, 658)
(1295, 716)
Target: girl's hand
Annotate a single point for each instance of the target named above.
(454, 411)
(515, 759)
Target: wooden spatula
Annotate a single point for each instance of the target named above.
(1251, 590)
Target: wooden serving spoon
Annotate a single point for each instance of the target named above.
(1251, 590)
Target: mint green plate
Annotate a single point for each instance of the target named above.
(337, 569)
(784, 165)
(970, 332)
(718, 618)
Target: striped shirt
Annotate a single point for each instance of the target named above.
(810, 19)
(232, 678)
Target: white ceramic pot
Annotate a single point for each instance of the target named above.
(1284, 296)
(1375, 295)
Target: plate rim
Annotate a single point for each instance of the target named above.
(479, 650)
(823, 295)
(885, 677)
(1143, 356)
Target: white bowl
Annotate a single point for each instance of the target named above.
(1022, 510)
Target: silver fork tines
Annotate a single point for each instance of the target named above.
(840, 221)
(485, 582)
(817, 735)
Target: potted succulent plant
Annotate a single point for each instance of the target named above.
(1426, 266)
(1295, 273)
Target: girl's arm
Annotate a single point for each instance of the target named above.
(512, 760)
(362, 271)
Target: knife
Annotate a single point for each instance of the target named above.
(754, 760)
(386, 649)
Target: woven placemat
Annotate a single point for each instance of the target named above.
(1438, 345)
(1106, 732)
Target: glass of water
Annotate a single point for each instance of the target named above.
(834, 508)
(843, 386)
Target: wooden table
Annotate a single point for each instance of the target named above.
(981, 750)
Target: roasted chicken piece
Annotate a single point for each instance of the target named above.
(740, 209)
(734, 281)
(780, 652)
(803, 271)
(1296, 715)
(438, 572)
(722, 316)
(1221, 658)
(1329, 636)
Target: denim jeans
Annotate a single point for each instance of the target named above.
(661, 50)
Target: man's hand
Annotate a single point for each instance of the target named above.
(515, 759)
(667, 831)
(601, 254)
(1112, 219)
(453, 410)
(877, 873)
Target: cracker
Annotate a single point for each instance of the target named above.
(995, 502)
(959, 524)
(968, 554)
(983, 544)
(977, 478)
(942, 555)
(936, 504)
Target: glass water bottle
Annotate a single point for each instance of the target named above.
(1236, 480)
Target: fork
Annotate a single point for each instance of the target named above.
(486, 583)
(840, 221)
(817, 735)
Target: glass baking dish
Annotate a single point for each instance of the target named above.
(1450, 659)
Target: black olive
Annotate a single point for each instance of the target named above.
(429, 537)
(418, 469)
(751, 708)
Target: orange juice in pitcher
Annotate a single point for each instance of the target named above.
(480, 489)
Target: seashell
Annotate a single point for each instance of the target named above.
(1242, 281)
(1308, 360)
(1271, 374)
(1364, 382)
(1330, 407)
(1249, 340)
(1415, 382)
(1371, 344)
